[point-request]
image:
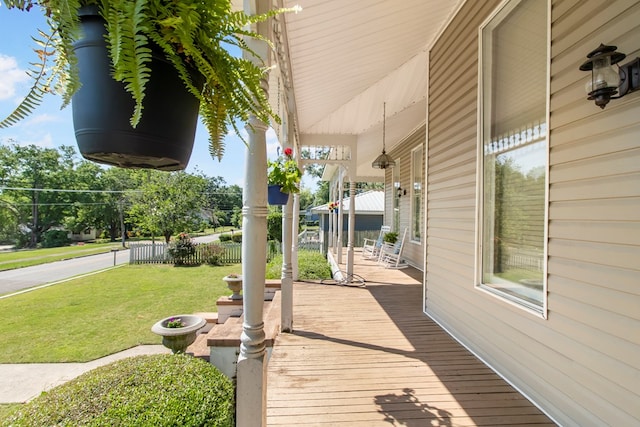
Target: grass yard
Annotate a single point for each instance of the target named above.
(97, 315)
(312, 265)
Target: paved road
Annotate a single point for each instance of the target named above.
(28, 277)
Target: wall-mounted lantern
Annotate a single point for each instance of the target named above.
(607, 81)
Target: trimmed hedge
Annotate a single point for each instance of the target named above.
(158, 390)
(235, 237)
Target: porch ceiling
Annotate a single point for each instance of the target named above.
(348, 57)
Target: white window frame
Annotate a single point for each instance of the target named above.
(395, 210)
(413, 219)
(541, 311)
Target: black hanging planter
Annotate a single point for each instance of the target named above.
(102, 108)
(275, 196)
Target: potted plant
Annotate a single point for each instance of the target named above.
(333, 207)
(283, 177)
(390, 237)
(141, 48)
(234, 283)
(178, 332)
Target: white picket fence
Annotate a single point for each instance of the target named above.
(148, 253)
(157, 253)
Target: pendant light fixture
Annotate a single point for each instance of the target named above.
(383, 161)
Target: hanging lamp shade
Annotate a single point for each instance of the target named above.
(383, 161)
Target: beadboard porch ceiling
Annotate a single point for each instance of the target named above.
(348, 57)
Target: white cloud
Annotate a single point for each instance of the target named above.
(271, 139)
(42, 118)
(44, 141)
(10, 76)
(272, 143)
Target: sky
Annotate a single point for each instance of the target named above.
(51, 127)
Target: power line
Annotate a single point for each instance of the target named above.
(60, 190)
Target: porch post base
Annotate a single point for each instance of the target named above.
(251, 399)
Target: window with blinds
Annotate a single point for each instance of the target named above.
(416, 194)
(514, 152)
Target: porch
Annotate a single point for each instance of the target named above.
(367, 356)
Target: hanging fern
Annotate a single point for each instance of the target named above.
(190, 33)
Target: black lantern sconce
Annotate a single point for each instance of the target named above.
(401, 192)
(605, 80)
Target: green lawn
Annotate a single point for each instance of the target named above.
(25, 258)
(93, 316)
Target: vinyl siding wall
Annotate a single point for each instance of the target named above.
(413, 251)
(581, 364)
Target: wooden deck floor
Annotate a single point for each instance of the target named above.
(368, 356)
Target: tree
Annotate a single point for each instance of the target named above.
(222, 200)
(306, 199)
(167, 203)
(105, 206)
(32, 174)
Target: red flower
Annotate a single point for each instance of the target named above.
(288, 152)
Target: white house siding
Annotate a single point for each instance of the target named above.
(413, 252)
(581, 364)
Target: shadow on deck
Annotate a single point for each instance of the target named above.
(369, 356)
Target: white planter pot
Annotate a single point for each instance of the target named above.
(235, 285)
(178, 339)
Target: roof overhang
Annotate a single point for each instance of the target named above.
(343, 60)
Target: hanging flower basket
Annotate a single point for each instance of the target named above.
(275, 196)
(283, 172)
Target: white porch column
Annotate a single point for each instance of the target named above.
(340, 217)
(330, 221)
(251, 381)
(252, 362)
(296, 227)
(352, 226)
(286, 286)
(251, 400)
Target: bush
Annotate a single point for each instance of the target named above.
(274, 226)
(211, 253)
(159, 390)
(55, 239)
(182, 249)
(235, 237)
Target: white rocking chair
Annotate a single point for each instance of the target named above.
(391, 254)
(371, 248)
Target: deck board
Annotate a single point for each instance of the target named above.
(368, 356)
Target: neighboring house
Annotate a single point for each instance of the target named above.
(84, 235)
(368, 216)
(522, 197)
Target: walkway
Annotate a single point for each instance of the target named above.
(368, 356)
(21, 382)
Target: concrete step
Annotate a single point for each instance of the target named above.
(199, 348)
